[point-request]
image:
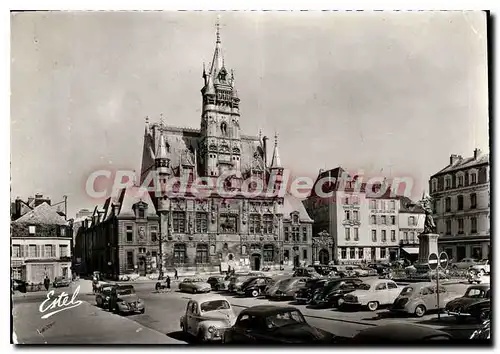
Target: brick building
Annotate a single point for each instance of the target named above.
(119, 238)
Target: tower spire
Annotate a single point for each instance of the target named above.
(276, 161)
(146, 126)
(217, 26)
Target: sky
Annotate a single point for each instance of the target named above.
(391, 93)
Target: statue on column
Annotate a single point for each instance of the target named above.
(429, 224)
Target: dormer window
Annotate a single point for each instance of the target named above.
(140, 209)
(447, 182)
(141, 213)
(460, 179)
(434, 185)
(472, 176)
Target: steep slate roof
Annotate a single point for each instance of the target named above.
(43, 214)
(292, 204)
(408, 206)
(465, 163)
(134, 195)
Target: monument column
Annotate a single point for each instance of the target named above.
(428, 243)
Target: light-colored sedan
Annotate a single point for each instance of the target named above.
(372, 293)
(194, 285)
(419, 298)
(464, 263)
(207, 317)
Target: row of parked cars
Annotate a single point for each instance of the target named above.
(210, 317)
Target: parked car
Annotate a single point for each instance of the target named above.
(419, 298)
(464, 263)
(381, 268)
(217, 282)
(309, 272)
(123, 299)
(194, 285)
(483, 332)
(360, 271)
(61, 282)
(476, 303)
(267, 324)
(236, 281)
(103, 295)
(478, 278)
(483, 267)
(304, 294)
(254, 286)
(207, 317)
(286, 288)
(274, 283)
(19, 285)
(331, 295)
(344, 271)
(403, 333)
(322, 269)
(372, 293)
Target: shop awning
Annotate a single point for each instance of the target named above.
(411, 250)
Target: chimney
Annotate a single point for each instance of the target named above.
(38, 196)
(477, 153)
(453, 159)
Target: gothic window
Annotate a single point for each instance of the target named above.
(304, 234)
(228, 223)
(295, 234)
(223, 128)
(179, 221)
(268, 223)
(268, 253)
(212, 250)
(254, 227)
(201, 254)
(243, 249)
(179, 253)
(201, 222)
(287, 234)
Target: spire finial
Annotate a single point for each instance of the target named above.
(217, 25)
(260, 134)
(275, 138)
(147, 120)
(161, 121)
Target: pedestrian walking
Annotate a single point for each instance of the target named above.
(95, 282)
(168, 283)
(46, 282)
(176, 275)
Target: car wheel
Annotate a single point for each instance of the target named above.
(340, 302)
(143, 310)
(483, 315)
(255, 293)
(420, 310)
(372, 305)
(200, 338)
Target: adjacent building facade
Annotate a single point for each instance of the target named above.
(461, 193)
(119, 238)
(361, 228)
(411, 221)
(40, 245)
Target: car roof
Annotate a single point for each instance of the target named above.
(398, 332)
(485, 286)
(419, 285)
(261, 310)
(376, 281)
(124, 286)
(208, 297)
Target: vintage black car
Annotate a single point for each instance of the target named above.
(304, 294)
(217, 282)
(402, 333)
(19, 285)
(61, 282)
(309, 272)
(267, 324)
(475, 303)
(254, 286)
(331, 294)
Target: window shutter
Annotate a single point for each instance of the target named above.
(43, 251)
(38, 251)
(26, 251)
(21, 251)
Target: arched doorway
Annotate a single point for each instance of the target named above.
(255, 261)
(324, 256)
